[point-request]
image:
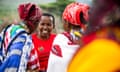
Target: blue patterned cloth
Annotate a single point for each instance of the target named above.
(15, 58)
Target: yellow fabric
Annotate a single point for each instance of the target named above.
(101, 55)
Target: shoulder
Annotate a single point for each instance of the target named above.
(100, 47)
(16, 30)
(103, 43)
(61, 37)
(53, 35)
(34, 35)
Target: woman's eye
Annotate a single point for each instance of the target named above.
(49, 24)
(42, 24)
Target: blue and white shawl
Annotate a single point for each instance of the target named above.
(15, 58)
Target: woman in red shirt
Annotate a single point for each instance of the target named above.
(43, 39)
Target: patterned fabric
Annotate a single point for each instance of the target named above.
(30, 13)
(33, 62)
(72, 13)
(16, 56)
(62, 51)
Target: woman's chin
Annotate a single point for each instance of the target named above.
(44, 35)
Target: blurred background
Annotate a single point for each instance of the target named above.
(8, 9)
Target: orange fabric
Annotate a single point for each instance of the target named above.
(100, 55)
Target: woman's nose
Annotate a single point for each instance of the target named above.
(45, 26)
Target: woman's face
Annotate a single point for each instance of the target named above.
(45, 27)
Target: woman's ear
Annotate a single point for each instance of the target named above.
(66, 25)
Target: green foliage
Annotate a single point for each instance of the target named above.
(6, 11)
(56, 7)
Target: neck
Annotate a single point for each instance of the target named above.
(25, 27)
(43, 37)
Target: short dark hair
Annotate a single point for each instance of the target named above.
(50, 15)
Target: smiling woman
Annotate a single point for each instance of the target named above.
(43, 40)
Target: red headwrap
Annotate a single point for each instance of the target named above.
(29, 12)
(72, 13)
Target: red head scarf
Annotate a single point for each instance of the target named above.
(72, 13)
(29, 12)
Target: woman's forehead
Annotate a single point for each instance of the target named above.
(47, 18)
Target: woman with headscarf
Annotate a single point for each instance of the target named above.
(101, 45)
(15, 39)
(75, 17)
